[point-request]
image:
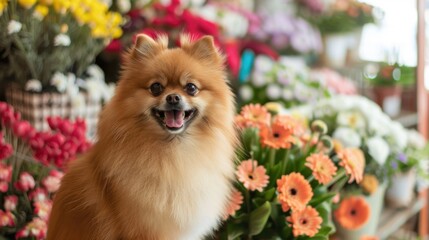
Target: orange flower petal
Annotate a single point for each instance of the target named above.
(294, 191)
(305, 222)
(353, 160)
(323, 168)
(253, 115)
(353, 212)
(252, 176)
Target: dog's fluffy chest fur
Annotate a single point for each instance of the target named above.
(184, 189)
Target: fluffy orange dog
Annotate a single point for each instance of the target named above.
(162, 166)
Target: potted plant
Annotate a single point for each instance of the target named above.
(385, 80)
(357, 122)
(47, 49)
(407, 166)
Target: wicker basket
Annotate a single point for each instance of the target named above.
(36, 107)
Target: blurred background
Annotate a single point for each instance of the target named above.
(62, 58)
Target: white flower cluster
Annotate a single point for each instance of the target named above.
(360, 123)
(94, 84)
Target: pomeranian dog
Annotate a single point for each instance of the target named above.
(162, 166)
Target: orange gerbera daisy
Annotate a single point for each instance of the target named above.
(322, 166)
(234, 204)
(253, 115)
(305, 222)
(353, 212)
(353, 160)
(252, 176)
(280, 134)
(294, 191)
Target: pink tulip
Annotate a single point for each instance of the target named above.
(4, 186)
(25, 182)
(51, 183)
(6, 151)
(6, 219)
(10, 202)
(5, 172)
(38, 195)
(23, 129)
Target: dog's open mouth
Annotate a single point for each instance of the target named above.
(174, 119)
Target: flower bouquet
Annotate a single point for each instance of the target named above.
(287, 176)
(357, 122)
(31, 168)
(281, 82)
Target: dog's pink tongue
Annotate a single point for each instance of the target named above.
(174, 119)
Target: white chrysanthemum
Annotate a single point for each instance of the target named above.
(246, 93)
(94, 89)
(13, 27)
(274, 91)
(123, 5)
(378, 149)
(263, 64)
(258, 79)
(59, 80)
(33, 85)
(347, 136)
(233, 24)
(287, 94)
(352, 119)
(399, 135)
(96, 72)
(62, 40)
(415, 139)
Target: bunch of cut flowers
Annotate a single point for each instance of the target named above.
(44, 37)
(286, 177)
(31, 168)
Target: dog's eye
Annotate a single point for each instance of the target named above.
(156, 89)
(191, 89)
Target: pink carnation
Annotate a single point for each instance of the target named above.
(38, 195)
(51, 183)
(4, 186)
(5, 172)
(43, 209)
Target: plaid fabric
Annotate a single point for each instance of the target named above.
(36, 107)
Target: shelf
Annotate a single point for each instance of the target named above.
(393, 218)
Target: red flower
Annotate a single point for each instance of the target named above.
(6, 151)
(4, 186)
(23, 129)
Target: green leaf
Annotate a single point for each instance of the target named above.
(321, 198)
(268, 194)
(258, 219)
(235, 231)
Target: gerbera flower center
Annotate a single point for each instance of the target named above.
(251, 176)
(293, 191)
(353, 212)
(276, 135)
(303, 221)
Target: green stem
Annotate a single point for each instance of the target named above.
(272, 157)
(285, 162)
(340, 174)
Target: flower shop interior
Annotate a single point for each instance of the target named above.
(332, 100)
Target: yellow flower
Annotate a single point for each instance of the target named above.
(273, 107)
(369, 183)
(27, 3)
(45, 2)
(3, 5)
(98, 32)
(61, 6)
(117, 32)
(41, 11)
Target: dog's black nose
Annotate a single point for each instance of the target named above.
(173, 99)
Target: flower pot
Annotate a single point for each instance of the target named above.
(388, 98)
(36, 107)
(376, 203)
(341, 49)
(401, 191)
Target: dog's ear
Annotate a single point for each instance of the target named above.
(203, 49)
(146, 47)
